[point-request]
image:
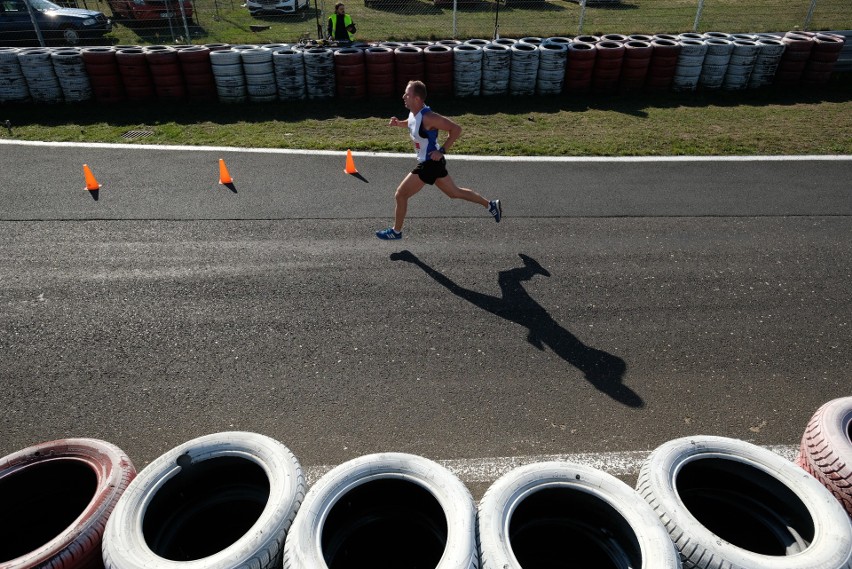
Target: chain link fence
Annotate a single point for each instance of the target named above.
(139, 22)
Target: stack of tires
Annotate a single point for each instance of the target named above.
(350, 74)
(408, 65)
(104, 75)
(71, 73)
(467, 70)
(135, 76)
(743, 57)
(607, 73)
(634, 67)
(197, 74)
(260, 74)
(716, 61)
(795, 59)
(496, 69)
(580, 66)
(524, 68)
(663, 65)
(13, 84)
(228, 75)
(165, 72)
(768, 58)
(552, 59)
(319, 73)
(37, 68)
(289, 67)
(824, 55)
(381, 75)
(689, 63)
(438, 66)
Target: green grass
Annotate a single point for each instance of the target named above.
(744, 123)
(227, 21)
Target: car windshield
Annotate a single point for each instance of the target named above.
(44, 5)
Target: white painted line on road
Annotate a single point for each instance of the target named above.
(477, 470)
(409, 156)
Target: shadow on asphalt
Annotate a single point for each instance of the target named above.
(603, 370)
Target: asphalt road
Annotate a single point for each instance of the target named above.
(618, 305)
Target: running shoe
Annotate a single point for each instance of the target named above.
(495, 209)
(388, 234)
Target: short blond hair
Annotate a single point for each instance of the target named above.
(418, 88)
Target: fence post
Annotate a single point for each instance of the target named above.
(582, 16)
(698, 15)
(36, 27)
(810, 15)
(455, 15)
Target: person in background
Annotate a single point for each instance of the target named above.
(340, 26)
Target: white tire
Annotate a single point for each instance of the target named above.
(385, 510)
(733, 505)
(557, 514)
(826, 449)
(221, 501)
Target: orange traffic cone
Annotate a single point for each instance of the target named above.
(350, 164)
(224, 176)
(91, 184)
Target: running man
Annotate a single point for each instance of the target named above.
(423, 125)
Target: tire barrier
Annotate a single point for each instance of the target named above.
(42, 83)
(408, 65)
(289, 67)
(794, 60)
(438, 66)
(220, 501)
(319, 73)
(59, 495)
(524, 69)
(689, 63)
(385, 510)
(104, 76)
(580, 66)
(826, 449)
(824, 55)
(496, 69)
(260, 74)
(467, 70)
(634, 67)
(607, 72)
(227, 68)
(542, 514)
(13, 84)
(247, 72)
(350, 74)
(71, 73)
(135, 76)
(165, 72)
(768, 58)
(728, 503)
(197, 74)
(381, 75)
(552, 60)
(664, 58)
(743, 57)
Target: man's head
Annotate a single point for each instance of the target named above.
(339, 8)
(415, 93)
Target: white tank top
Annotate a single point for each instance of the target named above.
(425, 141)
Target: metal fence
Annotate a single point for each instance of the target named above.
(139, 22)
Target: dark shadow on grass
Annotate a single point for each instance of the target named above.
(604, 371)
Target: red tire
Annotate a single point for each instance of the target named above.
(59, 495)
(826, 449)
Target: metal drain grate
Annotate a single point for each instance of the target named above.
(130, 134)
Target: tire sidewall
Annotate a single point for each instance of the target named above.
(832, 542)
(509, 491)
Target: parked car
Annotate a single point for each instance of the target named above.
(68, 24)
(150, 9)
(259, 7)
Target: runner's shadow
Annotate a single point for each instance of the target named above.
(603, 370)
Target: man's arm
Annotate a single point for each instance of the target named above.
(434, 121)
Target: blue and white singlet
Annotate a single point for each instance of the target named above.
(425, 141)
